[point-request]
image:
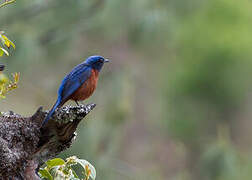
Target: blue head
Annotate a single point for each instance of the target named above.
(96, 62)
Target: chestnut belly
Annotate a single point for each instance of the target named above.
(86, 90)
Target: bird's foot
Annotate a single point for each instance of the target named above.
(77, 103)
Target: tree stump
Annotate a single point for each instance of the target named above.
(25, 145)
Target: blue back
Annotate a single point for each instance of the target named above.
(73, 81)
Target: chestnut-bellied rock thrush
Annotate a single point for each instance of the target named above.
(79, 84)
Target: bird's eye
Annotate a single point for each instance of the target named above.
(100, 61)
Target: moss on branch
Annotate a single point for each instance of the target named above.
(25, 145)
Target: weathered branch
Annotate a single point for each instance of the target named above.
(25, 145)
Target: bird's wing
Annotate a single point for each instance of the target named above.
(73, 81)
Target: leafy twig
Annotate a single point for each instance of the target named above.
(6, 3)
(7, 85)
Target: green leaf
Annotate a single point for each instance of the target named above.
(74, 173)
(3, 79)
(3, 51)
(55, 162)
(12, 44)
(45, 174)
(85, 163)
(8, 42)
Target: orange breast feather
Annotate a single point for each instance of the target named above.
(87, 88)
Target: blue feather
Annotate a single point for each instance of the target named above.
(73, 81)
(51, 112)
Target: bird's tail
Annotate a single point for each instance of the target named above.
(51, 112)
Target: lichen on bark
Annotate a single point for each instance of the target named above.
(25, 145)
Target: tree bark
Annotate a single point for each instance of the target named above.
(25, 145)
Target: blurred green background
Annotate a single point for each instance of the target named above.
(175, 101)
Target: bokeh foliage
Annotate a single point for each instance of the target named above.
(6, 84)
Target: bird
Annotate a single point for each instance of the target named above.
(79, 84)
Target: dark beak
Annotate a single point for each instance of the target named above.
(106, 60)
